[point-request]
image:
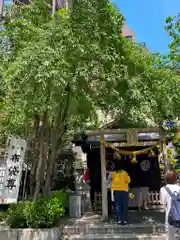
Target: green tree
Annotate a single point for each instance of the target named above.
(51, 76)
(173, 28)
(61, 69)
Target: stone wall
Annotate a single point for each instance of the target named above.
(31, 234)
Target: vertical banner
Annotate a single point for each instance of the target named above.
(1, 8)
(13, 170)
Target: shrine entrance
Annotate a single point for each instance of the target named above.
(138, 148)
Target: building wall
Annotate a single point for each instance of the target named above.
(127, 32)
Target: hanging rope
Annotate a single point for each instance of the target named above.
(127, 152)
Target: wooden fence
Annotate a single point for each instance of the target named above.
(153, 199)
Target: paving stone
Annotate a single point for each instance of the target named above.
(91, 226)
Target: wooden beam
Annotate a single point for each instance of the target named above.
(103, 180)
(119, 131)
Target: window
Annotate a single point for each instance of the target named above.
(129, 37)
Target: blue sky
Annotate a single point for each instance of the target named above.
(147, 19)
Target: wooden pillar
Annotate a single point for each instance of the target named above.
(164, 150)
(164, 155)
(132, 136)
(103, 179)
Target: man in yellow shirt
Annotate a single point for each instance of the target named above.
(120, 180)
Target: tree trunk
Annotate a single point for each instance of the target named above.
(24, 184)
(57, 137)
(35, 149)
(38, 169)
(51, 160)
(46, 154)
(40, 158)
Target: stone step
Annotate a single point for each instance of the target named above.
(125, 237)
(104, 228)
(116, 236)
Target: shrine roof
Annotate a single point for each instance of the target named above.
(116, 138)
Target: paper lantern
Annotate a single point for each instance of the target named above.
(151, 153)
(117, 156)
(134, 160)
(131, 195)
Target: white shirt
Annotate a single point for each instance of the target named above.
(165, 198)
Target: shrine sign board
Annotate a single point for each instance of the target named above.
(10, 173)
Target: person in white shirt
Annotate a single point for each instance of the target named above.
(165, 198)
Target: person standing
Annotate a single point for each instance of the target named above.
(170, 200)
(120, 180)
(86, 178)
